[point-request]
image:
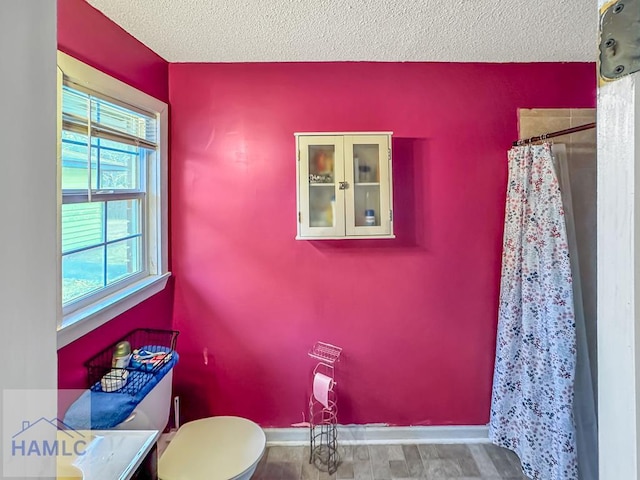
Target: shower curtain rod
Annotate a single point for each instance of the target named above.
(559, 133)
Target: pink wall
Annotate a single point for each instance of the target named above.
(416, 315)
(86, 34)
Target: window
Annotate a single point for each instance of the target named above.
(112, 178)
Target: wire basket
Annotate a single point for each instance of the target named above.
(158, 341)
(325, 352)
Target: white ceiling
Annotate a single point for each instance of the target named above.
(374, 30)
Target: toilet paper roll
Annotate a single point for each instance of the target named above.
(321, 386)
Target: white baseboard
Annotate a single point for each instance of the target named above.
(380, 434)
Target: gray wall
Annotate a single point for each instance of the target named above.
(28, 251)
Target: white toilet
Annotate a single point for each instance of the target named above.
(215, 448)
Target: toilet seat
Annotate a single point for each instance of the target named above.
(216, 448)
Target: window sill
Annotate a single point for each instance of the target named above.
(82, 321)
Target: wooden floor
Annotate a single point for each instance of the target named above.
(387, 462)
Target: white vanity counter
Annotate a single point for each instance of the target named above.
(102, 454)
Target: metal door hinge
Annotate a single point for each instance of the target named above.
(391, 215)
(299, 217)
(298, 158)
(389, 154)
(619, 40)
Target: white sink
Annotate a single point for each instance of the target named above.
(103, 454)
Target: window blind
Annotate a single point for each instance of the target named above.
(109, 120)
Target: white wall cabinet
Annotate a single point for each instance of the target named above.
(344, 185)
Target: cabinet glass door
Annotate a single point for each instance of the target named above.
(367, 170)
(321, 200)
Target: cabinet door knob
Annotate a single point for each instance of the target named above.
(344, 185)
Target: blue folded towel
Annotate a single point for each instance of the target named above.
(98, 410)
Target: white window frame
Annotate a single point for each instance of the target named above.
(80, 321)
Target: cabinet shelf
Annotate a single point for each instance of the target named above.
(322, 185)
(367, 184)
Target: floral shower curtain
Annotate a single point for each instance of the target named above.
(533, 384)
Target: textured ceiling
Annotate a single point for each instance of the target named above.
(374, 30)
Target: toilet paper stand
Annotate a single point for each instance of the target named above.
(323, 409)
